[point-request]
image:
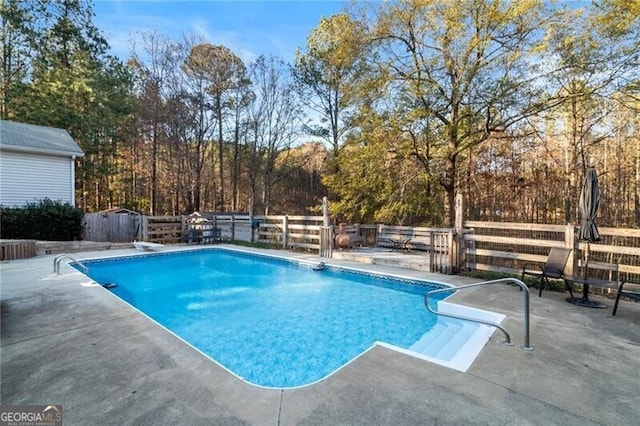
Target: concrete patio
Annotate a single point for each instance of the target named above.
(66, 341)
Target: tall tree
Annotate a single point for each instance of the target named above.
(155, 58)
(240, 101)
(324, 73)
(469, 67)
(200, 101)
(223, 71)
(67, 81)
(273, 121)
(68, 50)
(18, 40)
(595, 62)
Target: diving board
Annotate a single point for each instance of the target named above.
(145, 246)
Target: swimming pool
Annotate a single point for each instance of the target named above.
(272, 322)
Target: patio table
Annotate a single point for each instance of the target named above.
(586, 283)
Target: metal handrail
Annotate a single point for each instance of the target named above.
(58, 258)
(525, 292)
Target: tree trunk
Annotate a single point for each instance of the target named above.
(236, 166)
(449, 185)
(220, 154)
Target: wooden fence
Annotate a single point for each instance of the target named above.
(289, 232)
(484, 246)
(17, 249)
(112, 227)
(506, 247)
(163, 229)
(229, 227)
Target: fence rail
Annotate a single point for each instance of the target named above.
(505, 247)
(163, 229)
(485, 246)
(17, 249)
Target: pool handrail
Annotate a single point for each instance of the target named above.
(525, 291)
(58, 258)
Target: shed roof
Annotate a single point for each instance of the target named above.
(31, 138)
(119, 210)
(212, 215)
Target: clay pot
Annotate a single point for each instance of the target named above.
(342, 239)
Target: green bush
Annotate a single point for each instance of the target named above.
(43, 220)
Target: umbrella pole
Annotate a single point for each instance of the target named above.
(585, 286)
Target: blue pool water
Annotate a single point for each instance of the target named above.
(272, 322)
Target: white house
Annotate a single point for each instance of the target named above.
(36, 162)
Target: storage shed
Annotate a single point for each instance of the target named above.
(36, 162)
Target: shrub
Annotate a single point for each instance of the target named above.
(42, 220)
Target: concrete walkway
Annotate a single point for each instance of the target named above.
(66, 341)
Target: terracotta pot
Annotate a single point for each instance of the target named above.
(342, 239)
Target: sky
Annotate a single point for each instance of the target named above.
(249, 28)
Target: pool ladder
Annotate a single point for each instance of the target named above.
(58, 258)
(525, 293)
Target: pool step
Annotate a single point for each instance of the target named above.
(434, 338)
(445, 339)
(385, 258)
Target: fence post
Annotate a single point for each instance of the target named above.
(457, 241)
(453, 248)
(432, 256)
(145, 227)
(233, 227)
(285, 231)
(326, 241)
(138, 225)
(325, 211)
(570, 243)
(251, 229)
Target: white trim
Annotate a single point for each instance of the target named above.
(72, 181)
(31, 150)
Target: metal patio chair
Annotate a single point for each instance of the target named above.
(630, 294)
(553, 268)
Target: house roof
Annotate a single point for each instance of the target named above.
(37, 139)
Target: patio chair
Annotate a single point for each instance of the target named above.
(553, 268)
(193, 236)
(630, 294)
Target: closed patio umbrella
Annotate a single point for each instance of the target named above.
(588, 231)
(589, 203)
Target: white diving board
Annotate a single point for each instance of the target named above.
(145, 246)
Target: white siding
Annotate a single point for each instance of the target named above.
(31, 177)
